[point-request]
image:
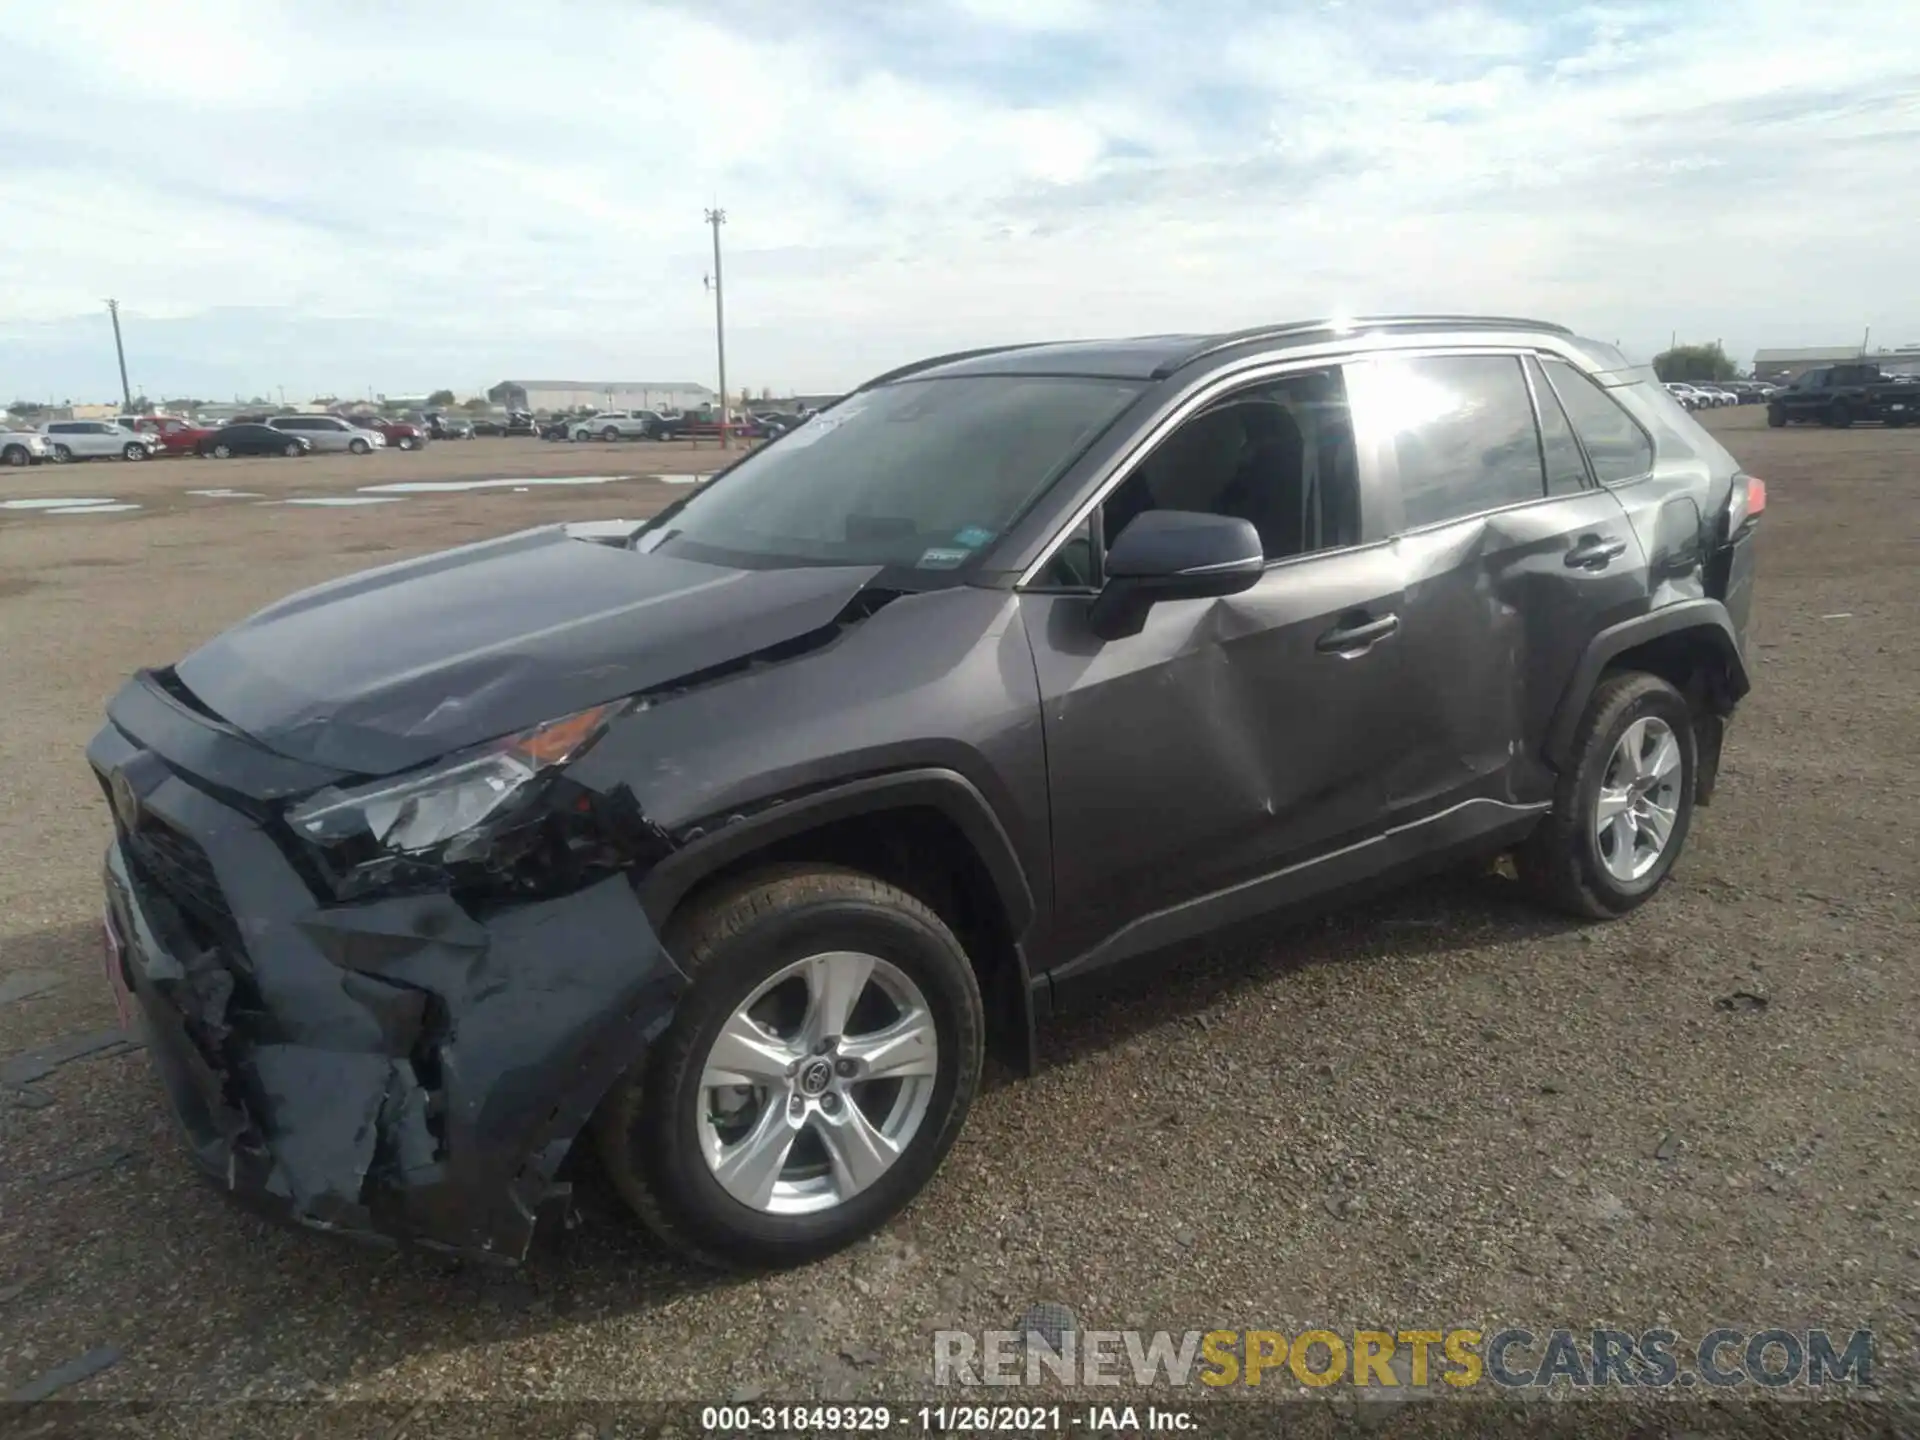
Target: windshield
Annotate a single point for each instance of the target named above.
(920, 473)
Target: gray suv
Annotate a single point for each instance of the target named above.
(732, 838)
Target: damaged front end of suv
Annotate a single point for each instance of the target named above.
(389, 1008)
(388, 949)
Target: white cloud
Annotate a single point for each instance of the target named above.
(323, 195)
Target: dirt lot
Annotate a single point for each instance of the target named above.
(1447, 1107)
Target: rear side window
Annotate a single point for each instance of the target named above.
(1566, 467)
(1618, 448)
(1463, 433)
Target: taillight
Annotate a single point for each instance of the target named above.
(1745, 505)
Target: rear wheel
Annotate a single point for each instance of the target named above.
(292, 450)
(62, 454)
(813, 1078)
(610, 434)
(135, 452)
(15, 455)
(225, 452)
(1839, 415)
(407, 442)
(359, 447)
(1621, 812)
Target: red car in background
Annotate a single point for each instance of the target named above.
(401, 434)
(175, 436)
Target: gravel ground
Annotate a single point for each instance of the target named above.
(1444, 1107)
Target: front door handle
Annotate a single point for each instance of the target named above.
(1595, 552)
(1349, 640)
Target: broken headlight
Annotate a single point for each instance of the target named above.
(452, 811)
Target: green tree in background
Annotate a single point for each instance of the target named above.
(477, 406)
(440, 400)
(1695, 362)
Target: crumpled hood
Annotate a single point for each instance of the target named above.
(389, 668)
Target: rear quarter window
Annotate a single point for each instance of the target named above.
(1616, 446)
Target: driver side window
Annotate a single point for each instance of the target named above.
(1279, 454)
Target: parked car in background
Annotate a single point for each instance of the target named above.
(1689, 397)
(619, 425)
(705, 425)
(777, 422)
(400, 434)
(174, 435)
(442, 426)
(329, 433)
(97, 440)
(520, 422)
(729, 841)
(557, 427)
(1839, 395)
(23, 447)
(1718, 396)
(254, 439)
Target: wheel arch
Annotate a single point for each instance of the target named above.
(1691, 645)
(929, 831)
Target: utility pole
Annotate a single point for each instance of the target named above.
(126, 390)
(1865, 336)
(717, 218)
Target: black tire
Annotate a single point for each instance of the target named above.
(1839, 416)
(610, 434)
(134, 452)
(293, 450)
(729, 943)
(15, 455)
(407, 442)
(1561, 861)
(1776, 417)
(62, 454)
(359, 447)
(223, 452)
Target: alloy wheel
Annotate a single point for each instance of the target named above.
(1639, 799)
(817, 1083)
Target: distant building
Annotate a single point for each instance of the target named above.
(1779, 365)
(600, 394)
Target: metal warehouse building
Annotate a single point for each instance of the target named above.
(1779, 365)
(600, 394)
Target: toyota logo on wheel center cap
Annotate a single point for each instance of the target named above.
(815, 1076)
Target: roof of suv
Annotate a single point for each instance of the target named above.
(1153, 357)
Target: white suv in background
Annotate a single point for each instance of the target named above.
(329, 432)
(96, 440)
(619, 425)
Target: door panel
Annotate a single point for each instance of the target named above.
(1216, 745)
(1494, 622)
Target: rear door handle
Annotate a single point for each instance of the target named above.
(1595, 552)
(1356, 639)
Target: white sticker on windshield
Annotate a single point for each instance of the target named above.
(943, 558)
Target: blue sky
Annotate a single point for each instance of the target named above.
(336, 196)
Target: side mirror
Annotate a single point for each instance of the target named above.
(1173, 555)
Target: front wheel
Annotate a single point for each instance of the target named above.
(135, 452)
(15, 455)
(359, 447)
(223, 452)
(62, 454)
(292, 450)
(610, 434)
(1621, 812)
(814, 1077)
(407, 442)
